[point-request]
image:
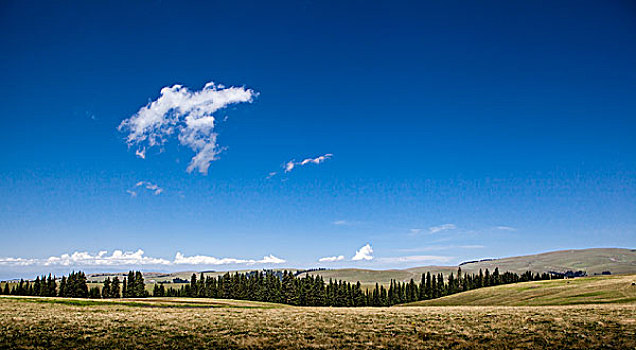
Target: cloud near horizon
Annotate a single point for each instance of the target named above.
(120, 258)
(186, 114)
(332, 258)
(364, 253)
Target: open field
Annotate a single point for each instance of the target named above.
(28, 324)
(587, 290)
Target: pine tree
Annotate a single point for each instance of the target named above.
(106, 288)
(114, 288)
(139, 285)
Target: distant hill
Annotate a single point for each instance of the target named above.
(585, 290)
(596, 260)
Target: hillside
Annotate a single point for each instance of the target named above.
(595, 260)
(586, 290)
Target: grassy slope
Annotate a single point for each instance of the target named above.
(587, 290)
(32, 325)
(616, 260)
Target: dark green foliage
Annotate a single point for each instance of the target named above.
(115, 288)
(273, 286)
(94, 293)
(133, 286)
(74, 286)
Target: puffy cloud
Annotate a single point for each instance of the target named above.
(332, 258)
(189, 114)
(86, 259)
(364, 253)
(289, 166)
(120, 258)
(416, 258)
(440, 228)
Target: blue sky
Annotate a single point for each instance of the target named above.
(450, 131)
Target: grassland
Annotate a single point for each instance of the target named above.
(27, 324)
(596, 260)
(587, 290)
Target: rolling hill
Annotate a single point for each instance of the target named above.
(585, 290)
(593, 261)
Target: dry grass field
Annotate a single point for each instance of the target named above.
(29, 323)
(587, 290)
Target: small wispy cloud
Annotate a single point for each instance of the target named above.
(416, 258)
(156, 190)
(506, 228)
(187, 114)
(342, 222)
(332, 258)
(137, 258)
(271, 174)
(364, 253)
(415, 231)
(441, 247)
(292, 164)
(440, 228)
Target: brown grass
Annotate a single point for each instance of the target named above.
(25, 324)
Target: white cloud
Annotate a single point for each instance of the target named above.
(506, 228)
(189, 114)
(289, 166)
(341, 222)
(364, 253)
(155, 189)
(416, 258)
(415, 231)
(332, 258)
(180, 259)
(440, 228)
(120, 258)
(86, 259)
(141, 153)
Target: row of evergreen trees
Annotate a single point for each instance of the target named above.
(274, 287)
(313, 291)
(75, 286)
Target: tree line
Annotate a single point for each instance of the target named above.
(314, 291)
(270, 286)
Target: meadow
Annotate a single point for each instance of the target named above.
(587, 290)
(37, 322)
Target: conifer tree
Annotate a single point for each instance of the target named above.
(114, 288)
(106, 288)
